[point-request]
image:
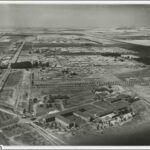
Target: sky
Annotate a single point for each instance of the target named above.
(74, 16)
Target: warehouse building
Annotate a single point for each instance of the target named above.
(83, 115)
(64, 121)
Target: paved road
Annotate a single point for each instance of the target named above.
(8, 71)
(8, 112)
(16, 56)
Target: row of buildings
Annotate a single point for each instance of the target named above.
(91, 114)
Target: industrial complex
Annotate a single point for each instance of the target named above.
(57, 87)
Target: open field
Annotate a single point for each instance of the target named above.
(6, 96)
(6, 119)
(15, 130)
(138, 73)
(31, 139)
(143, 91)
(13, 79)
(23, 134)
(3, 140)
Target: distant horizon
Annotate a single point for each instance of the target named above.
(73, 16)
(69, 28)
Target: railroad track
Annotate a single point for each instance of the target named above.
(47, 135)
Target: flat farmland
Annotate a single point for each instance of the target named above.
(6, 95)
(13, 79)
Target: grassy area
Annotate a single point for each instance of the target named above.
(135, 74)
(5, 94)
(3, 140)
(24, 134)
(14, 79)
(6, 119)
(6, 97)
(15, 130)
(31, 138)
(4, 116)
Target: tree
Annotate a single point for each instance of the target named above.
(22, 65)
(35, 100)
(24, 111)
(35, 64)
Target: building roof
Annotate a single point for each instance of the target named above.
(67, 121)
(83, 114)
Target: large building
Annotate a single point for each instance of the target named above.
(64, 121)
(83, 115)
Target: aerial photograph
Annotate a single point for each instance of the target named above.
(74, 74)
